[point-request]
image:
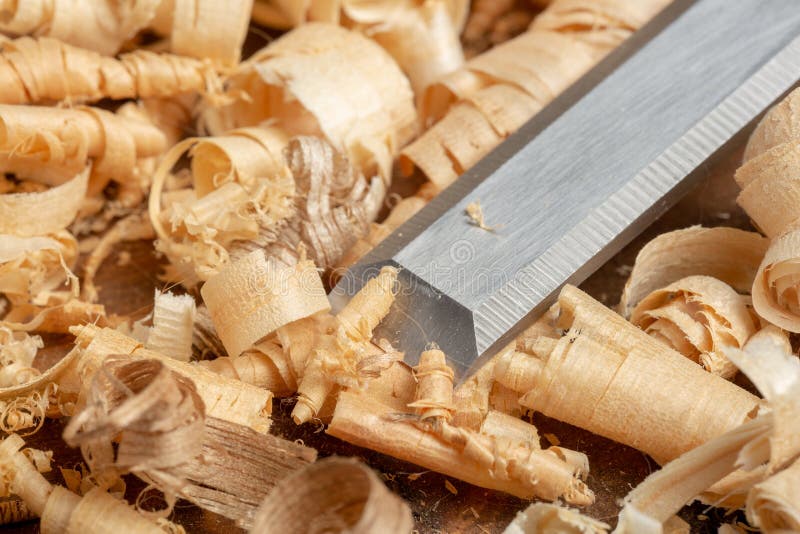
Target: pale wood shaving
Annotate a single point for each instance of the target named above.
(167, 439)
(253, 297)
(36, 70)
(230, 400)
(333, 495)
(544, 518)
(699, 317)
(727, 254)
(173, 317)
(482, 460)
(629, 387)
(366, 117)
(345, 355)
(61, 510)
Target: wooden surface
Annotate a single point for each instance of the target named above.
(615, 469)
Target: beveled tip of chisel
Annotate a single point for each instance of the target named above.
(420, 315)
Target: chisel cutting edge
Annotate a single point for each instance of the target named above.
(583, 177)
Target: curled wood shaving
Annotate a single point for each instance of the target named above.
(615, 374)
(20, 213)
(774, 505)
(242, 188)
(333, 495)
(768, 195)
(197, 28)
(604, 24)
(173, 320)
(334, 205)
(345, 355)
(434, 398)
(35, 70)
(166, 439)
(759, 447)
(727, 254)
(421, 36)
(363, 105)
(96, 25)
(31, 268)
(230, 400)
(61, 510)
(251, 298)
(479, 459)
(699, 317)
(494, 93)
(54, 144)
(543, 518)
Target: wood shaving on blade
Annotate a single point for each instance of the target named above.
(474, 212)
(336, 495)
(699, 317)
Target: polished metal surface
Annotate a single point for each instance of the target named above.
(581, 179)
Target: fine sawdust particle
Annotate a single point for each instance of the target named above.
(123, 258)
(552, 439)
(475, 214)
(450, 487)
(475, 514)
(414, 476)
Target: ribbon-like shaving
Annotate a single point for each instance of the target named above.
(333, 495)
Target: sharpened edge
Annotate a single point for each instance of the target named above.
(601, 234)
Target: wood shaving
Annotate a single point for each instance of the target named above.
(771, 439)
(434, 398)
(275, 295)
(198, 28)
(333, 495)
(543, 518)
(421, 36)
(475, 213)
(606, 364)
(727, 254)
(61, 510)
(220, 395)
(767, 195)
(173, 318)
(166, 439)
(699, 317)
(372, 118)
(35, 70)
(345, 355)
(457, 452)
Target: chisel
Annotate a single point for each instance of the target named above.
(583, 177)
